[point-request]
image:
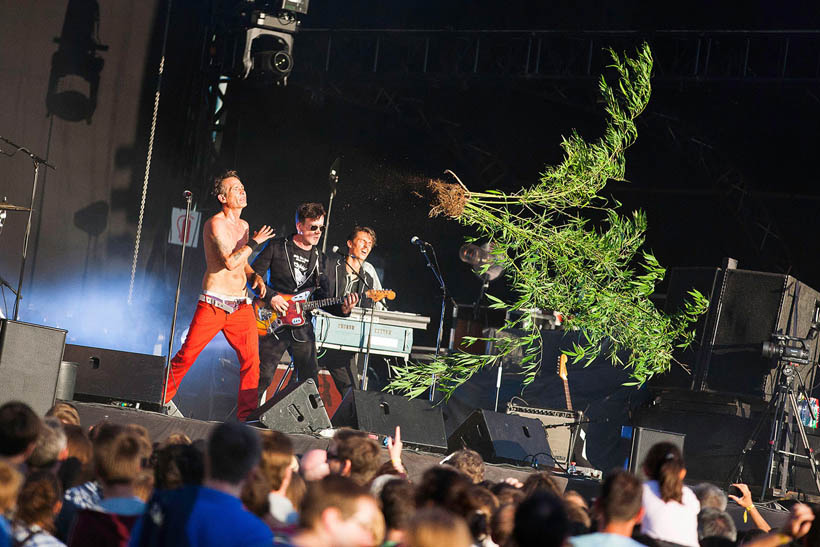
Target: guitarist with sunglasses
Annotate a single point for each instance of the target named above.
(294, 265)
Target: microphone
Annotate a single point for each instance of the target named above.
(416, 240)
(338, 251)
(334, 170)
(187, 194)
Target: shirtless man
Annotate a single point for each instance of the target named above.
(224, 304)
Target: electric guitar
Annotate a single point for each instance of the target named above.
(268, 321)
(562, 372)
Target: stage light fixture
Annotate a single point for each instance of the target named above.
(298, 6)
(268, 49)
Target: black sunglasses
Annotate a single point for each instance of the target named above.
(316, 228)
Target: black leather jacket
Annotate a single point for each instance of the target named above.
(273, 263)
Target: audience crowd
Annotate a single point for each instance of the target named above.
(105, 484)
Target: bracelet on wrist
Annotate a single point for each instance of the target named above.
(252, 244)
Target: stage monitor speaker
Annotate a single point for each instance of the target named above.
(296, 409)
(643, 439)
(107, 375)
(422, 424)
(30, 357)
(745, 308)
(503, 438)
(752, 306)
(562, 428)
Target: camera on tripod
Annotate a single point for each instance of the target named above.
(787, 348)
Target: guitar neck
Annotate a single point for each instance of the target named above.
(566, 395)
(313, 304)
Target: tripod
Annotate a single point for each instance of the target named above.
(786, 414)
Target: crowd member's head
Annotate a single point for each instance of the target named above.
(233, 450)
(619, 507)
(541, 521)
(314, 465)
(272, 475)
(338, 512)
(19, 429)
(664, 463)
(434, 527)
(65, 412)
(296, 490)
(77, 467)
(78, 444)
(577, 513)
(50, 446)
(277, 457)
(507, 494)
(353, 454)
(714, 523)
(255, 492)
(543, 481)
(398, 507)
(177, 438)
(480, 506)
(502, 524)
(117, 459)
(710, 495)
(442, 486)
(468, 462)
(178, 465)
(39, 500)
(10, 482)
(144, 438)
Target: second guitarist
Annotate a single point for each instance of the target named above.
(290, 265)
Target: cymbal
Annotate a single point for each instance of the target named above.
(6, 206)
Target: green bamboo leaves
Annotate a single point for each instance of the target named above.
(555, 258)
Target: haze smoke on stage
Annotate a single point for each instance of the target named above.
(100, 316)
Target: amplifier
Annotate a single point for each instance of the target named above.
(561, 426)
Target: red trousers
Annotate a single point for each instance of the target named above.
(239, 329)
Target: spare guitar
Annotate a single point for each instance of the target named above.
(268, 321)
(562, 372)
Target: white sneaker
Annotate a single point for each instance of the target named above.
(172, 410)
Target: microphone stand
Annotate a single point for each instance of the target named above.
(37, 161)
(434, 267)
(187, 195)
(334, 180)
(363, 384)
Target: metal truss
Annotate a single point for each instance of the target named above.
(700, 56)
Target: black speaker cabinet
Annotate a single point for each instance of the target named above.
(643, 439)
(422, 424)
(106, 375)
(503, 438)
(296, 409)
(746, 307)
(30, 358)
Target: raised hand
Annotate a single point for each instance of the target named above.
(394, 446)
(745, 500)
(263, 234)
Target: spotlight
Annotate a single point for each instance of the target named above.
(298, 6)
(269, 46)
